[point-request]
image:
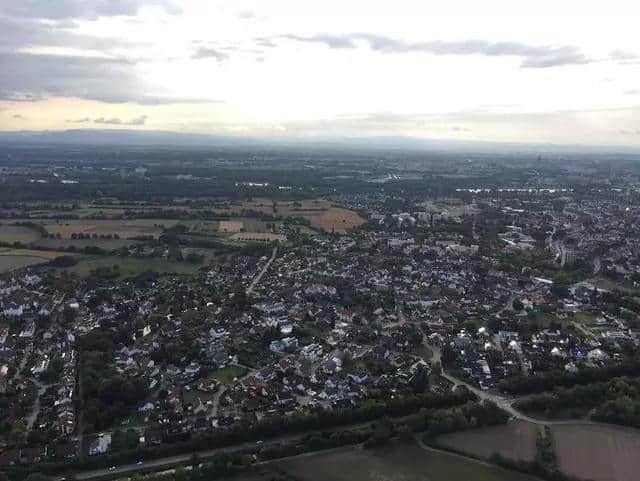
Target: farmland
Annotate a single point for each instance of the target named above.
(125, 229)
(15, 233)
(397, 463)
(12, 259)
(515, 440)
(597, 452)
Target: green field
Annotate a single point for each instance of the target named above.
(228, 374)
(130, 266)
(397, 463)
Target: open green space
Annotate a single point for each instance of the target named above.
(131, 266)
(229, 373)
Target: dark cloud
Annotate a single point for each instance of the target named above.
(533, 56)
(29, 77)
(117, 121)
(21, 33)
(208, 52)
(32, 77)
(85, 9)
(78, 121)
(17, 116)
(630, 132)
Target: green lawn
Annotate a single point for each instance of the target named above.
(131, 266)
(227, 375)
(397, 463)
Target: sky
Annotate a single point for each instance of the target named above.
(514, 71)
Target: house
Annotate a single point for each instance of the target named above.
(100, 444)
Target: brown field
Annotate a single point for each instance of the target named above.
(516, 440)
(12, 259)
(124, 228)
(336, 219)
(258, 236)
(230, 226)
(598, 452)
(16, 233)
(395, 463)
(318, 211)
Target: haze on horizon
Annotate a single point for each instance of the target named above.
(544, 71)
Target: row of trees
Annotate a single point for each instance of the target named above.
(547, 381)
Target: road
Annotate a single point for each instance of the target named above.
(31, 419)
(185, 458)
(256, 280)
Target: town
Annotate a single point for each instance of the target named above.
(221, 312)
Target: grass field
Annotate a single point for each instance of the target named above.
(131, 266)
(515, 440)
(229, 373)
(16, 233)
(597, 452)
(107, 244)
(397, 463)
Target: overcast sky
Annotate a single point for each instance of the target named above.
(560, 71)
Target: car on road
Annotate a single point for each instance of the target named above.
(139, 463)
(112, 468)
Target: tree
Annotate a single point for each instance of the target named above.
(517, 305)
(18, 433)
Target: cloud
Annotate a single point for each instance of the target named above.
(622, 55)
(140, 120)
(82, 9)
(28, 77)
(247, 14)
(630, 132)
(78, 121)
(208, 52)
(457, 128)
(17, 116)
(533, 56)
(632, 92)
(109, 121)
(137, 120)
(26, 32)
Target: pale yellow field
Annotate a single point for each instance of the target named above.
(230, 226)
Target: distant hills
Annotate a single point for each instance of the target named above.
(158, 138)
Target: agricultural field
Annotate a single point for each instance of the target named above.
(336, 219)
(230, 226)
(12, 259)
(16, 233)
(131, 266)
(396, 463)
(107, 244)
(597, 452)
(258, 237)
(515, 440)
(125, 229)
(318, 212)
